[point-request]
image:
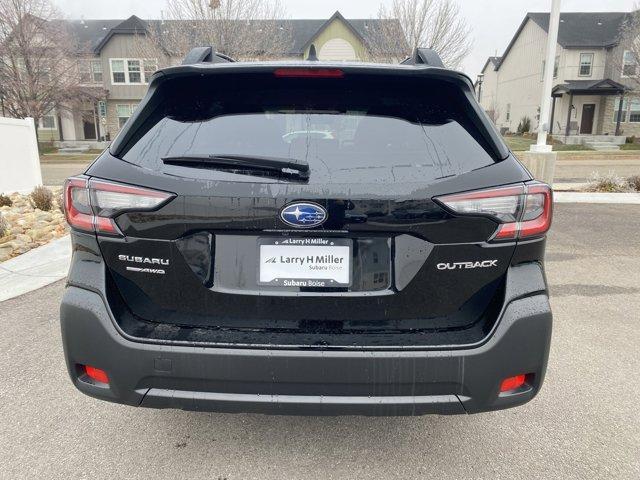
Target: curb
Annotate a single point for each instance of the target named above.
(35, 269)
(602, 198)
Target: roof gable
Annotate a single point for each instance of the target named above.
(131, 26)
(577, 29)
(494, 61)
(336, 16)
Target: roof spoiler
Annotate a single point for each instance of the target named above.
(205, 55)
(424, 56)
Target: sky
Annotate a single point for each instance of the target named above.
(492, 22)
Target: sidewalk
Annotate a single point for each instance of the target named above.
(35, 269)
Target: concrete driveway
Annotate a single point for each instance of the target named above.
(584, 424)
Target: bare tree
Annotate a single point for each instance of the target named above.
(436, 24)
(242, 29)
(38, 70)
(629, 63)
(493, 112)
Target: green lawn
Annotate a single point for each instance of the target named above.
(519, 143)
(630, 146)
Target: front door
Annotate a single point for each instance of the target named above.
(588, 112)
(89, 125)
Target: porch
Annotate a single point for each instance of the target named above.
(580, 113)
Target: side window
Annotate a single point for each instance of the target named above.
(123, 112)
(133, 68)
(617, 113)
(96, 71)
(629, 64)
(117, 71)
(48, 121)
(634, 111)
(150, 66)
(586, 64)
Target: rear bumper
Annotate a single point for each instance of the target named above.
(313, 382)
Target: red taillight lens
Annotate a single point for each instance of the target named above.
(309, 73)
(96, 374)
(522, 210)
(92, 205)
(512, 383)
(77, 208)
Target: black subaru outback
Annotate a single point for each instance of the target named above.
(308, 238)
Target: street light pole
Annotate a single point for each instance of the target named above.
(479, 83)
(545, 106)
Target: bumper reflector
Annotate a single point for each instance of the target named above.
(512, 383)
(96, 374)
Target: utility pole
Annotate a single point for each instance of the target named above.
(479, 83)
(545, 106)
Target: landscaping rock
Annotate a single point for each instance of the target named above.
(29, 228)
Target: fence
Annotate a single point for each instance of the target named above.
(19, 160)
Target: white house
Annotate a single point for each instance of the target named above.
(592, 74)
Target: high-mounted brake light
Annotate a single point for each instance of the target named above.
(309, 73)
(522, 210)
(92, 205)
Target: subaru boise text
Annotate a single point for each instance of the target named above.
(229, 257)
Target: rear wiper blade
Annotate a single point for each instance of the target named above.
(250, 162)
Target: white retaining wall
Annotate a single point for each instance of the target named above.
(19, 159)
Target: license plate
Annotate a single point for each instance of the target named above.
(304, 262)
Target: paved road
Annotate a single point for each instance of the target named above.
(566, 170)
(54, 174)
(583, 170)
(584, 424)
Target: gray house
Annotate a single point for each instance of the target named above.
(593, 97)
(109, 61)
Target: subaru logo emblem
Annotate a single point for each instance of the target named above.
(303, 215)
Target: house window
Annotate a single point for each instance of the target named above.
(102, 108)
(48, 121)
(617, 114)
(96, 71)
(123, 112)
(150, 66)
(629, 64)
(586, 63)
(117, 71)
(634, 111)
(90, 71)
(556, 65)
(132, 70)
(508, 116)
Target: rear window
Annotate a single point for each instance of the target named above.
(349, 130)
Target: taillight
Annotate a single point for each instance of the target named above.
(523, 210)
(92, 205)
(308, 73)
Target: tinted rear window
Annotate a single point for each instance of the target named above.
(348, 130)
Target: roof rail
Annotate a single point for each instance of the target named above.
(424, 56)
(205, 55)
